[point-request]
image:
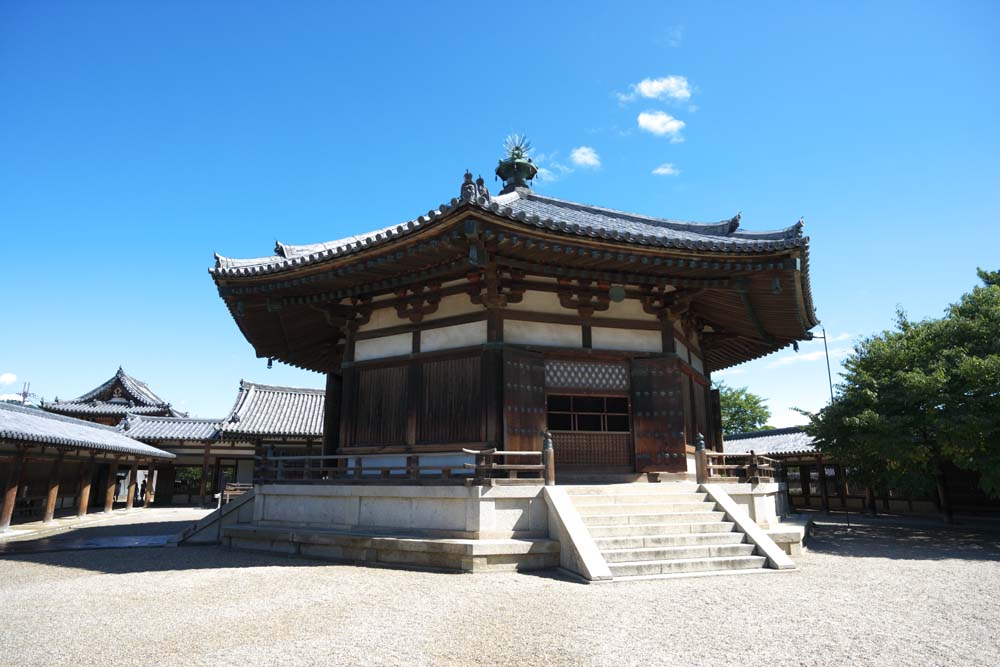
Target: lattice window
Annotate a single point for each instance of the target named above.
(586, 375)
(601, 414)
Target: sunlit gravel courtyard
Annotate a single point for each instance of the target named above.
(885, 593)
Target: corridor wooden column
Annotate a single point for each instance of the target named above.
(83, 495)
(151, 470)
(824, 492)
(52, 497)
(203, 488)
(10, 489)
(109, 492)
(133, 474)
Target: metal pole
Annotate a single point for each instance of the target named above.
(829, 375)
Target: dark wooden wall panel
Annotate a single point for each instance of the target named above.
(452, 401)
(658, 415)
(523, 400)
(380, 417)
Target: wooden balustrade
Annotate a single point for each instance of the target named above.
(489, 467)
(751, 468)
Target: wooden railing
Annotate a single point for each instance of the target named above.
(750, 468)
(233, 490)
(488, 467)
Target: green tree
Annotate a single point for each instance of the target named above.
(742, 410)
(919, 396)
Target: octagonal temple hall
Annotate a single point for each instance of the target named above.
(493, 318)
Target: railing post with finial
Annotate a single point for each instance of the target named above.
(549, 459)
(700, 460)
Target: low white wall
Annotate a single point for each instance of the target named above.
(445, 511)
(766, 503)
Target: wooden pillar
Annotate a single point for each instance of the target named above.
(151, 471)
(52, 497)
(805, 479)
(109, 492)
(842, 486)
(10, 490)
(331, 412)
(203, 487)
(133, 474)
(821, 479)
(83, 493)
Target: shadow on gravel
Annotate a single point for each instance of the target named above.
(887, 539)
(159, 559)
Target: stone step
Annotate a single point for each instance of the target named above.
(641, 541)
(638, 498)
(624, 489)
(676, 566)
(676, 552)
(643, 518)
(649, 529)
(661, 506)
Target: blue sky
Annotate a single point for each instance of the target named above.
(139, 138)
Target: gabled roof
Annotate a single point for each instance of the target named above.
(534, 210)
(25, 425)
(790, 440)
(154, 429)
(267, 410)
(120, 395)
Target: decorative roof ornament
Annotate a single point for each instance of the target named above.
(517, 168)
(473, 190)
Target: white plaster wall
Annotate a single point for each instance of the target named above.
(626, 339)
(382, 318)
(697, 364)
(630, 309)
(455, 304)
(540, 302)
(387, 346)
(682, 350)
(541, 333)
(459, 335)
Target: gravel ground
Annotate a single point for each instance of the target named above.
(886, 593)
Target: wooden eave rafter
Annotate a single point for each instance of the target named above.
(463, 243)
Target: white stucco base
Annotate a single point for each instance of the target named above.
(766, 503)
(471, 512)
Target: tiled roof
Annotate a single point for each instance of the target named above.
(31, 425)
(791, 440)
(267, 410)
(136, 398)
(102, 408)
(535, 210)
(152, 429)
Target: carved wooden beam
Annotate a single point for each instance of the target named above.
(586, 296)
(414, 302)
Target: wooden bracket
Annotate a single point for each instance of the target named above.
(585, 296)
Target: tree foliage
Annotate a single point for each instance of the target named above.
(742, 410)
(921, 395)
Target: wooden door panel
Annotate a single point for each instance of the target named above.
(658, 415)
(523, 400)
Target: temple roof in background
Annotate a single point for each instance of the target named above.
(790, 440)
(120, 395)
(24, 425)
(270, 411)
(152, 429)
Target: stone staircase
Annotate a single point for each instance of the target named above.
(660, 530)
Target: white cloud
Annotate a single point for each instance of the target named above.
(585, 156)
(667, 169)
(787, 417)
(675, 35)
(816, 355)
(671, 87)
(555, 169)
(839, 337)
(662, 124)
(7, 378)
